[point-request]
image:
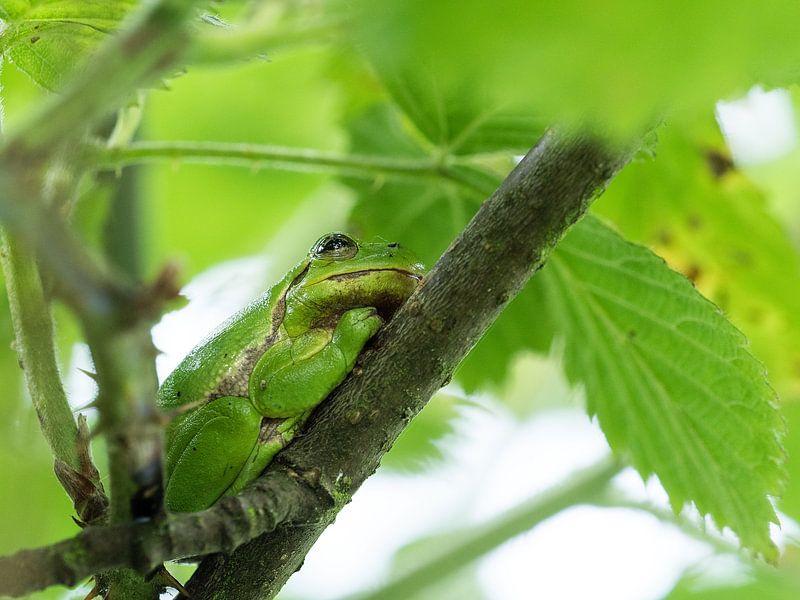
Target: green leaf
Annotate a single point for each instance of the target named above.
(524, 325)
(669, 379)
(790, 500)
(46, 39)
(459, 121)
(418, 444)
(234, 212)
(472, 139)
(621, 61)
(711, 223)
(778, 585)
(422, 213)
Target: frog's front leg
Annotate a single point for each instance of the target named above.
(296, 375)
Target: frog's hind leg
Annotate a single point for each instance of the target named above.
(207, 449)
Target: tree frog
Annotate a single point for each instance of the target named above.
(241, 394)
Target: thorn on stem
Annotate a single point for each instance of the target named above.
(166, 285)
(89, 374)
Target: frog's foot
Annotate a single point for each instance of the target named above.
(355, 328)
(94, 592)
(166, 578)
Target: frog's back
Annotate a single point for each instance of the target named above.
(221, 364)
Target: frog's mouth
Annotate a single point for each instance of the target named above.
(366, 272)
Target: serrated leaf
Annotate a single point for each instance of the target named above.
(669, 379)
(46, 39)
(422, 213)
(462, 120)
(711, 223)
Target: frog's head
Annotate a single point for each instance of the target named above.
(342, 273)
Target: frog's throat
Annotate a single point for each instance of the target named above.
(303, 315)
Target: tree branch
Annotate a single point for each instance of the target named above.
(279, 497)
(411, 358)
(507, 241)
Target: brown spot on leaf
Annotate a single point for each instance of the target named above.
(694, 221)
(719, 163)
(693, 273)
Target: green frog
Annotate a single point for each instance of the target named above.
(242, 394)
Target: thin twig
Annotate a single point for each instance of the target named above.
(116, 314)
(259, 156)
(33, 341)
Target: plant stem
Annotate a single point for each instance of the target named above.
(582, 487)
(33, 332)
(258, 155)
(122, 230)
(115, 313)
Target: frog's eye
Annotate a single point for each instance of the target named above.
(335, 246)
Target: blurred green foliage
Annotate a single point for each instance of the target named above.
(618, 63)
(235, 212)
(469, 86)
(779, 585)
